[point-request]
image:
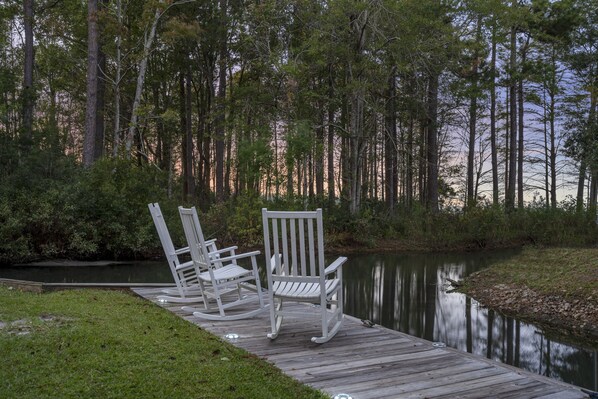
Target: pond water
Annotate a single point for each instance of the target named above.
(408, 293)
(137, 272)
(405, 292)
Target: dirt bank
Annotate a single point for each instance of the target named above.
(571, 316)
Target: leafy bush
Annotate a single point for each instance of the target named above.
(101, 212)
(111, 201)
(238, 221)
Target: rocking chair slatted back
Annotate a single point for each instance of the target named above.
(292, 245)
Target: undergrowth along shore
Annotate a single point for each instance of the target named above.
(556, 288)
(109, 219)
(110, 344)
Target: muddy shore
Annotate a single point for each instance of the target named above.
(567, 317)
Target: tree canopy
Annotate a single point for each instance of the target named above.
(429, 103)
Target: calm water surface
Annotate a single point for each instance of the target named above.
(407, 293)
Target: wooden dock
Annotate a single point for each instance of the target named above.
(377, 362)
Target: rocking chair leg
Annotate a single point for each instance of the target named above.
(275, 319)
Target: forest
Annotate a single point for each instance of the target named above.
(440, 124)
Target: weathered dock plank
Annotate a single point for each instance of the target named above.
(376, 362)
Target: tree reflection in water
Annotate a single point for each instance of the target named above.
(408, 293)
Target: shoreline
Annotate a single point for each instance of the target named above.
(555, 289)
(546, 313)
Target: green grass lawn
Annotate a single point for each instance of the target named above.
(108, 344)
(567, 272)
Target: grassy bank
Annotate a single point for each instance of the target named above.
(554, 287)
(106, 344)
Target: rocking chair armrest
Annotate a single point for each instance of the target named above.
(186, 265)
(273, 262)
(335, 265)
(181, 251)
(219, 251)
(238, 256)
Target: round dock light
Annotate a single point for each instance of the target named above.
(231, 336)
(342, 396)
(439, 345)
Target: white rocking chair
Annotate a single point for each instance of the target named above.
(222, 277)
(187, 289)
(297, 271)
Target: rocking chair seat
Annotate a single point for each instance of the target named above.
(299, 291)
(226, 273)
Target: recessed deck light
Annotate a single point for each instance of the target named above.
(342, 396)
(231, 336)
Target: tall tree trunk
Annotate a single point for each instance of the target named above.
(409, 165)
(227, 170)
(552, 149)
(190, 159)
(581, 185)
(473, 113)
(344, 158)
(507, 144)
(423, 162)
(520, 129)
(359, 24)
(432, 144)
(91, 111)
(493, 149)
(356, 148)
(101, 102)
(545, 118)
(593, 192)
(163, 150)
(147, 45)
(318, 163)
(276, 166)
(510, 195)
(290, 186)
(390, 138)
(593, 171)
(520, 124)
(206, 145)
(28, 90)
(473, 105)
(220, 101)
(185, 116)
(117, 79)
(330, 148)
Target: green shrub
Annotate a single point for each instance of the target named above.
(70, 212)
(111, 200)
(237, 221)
